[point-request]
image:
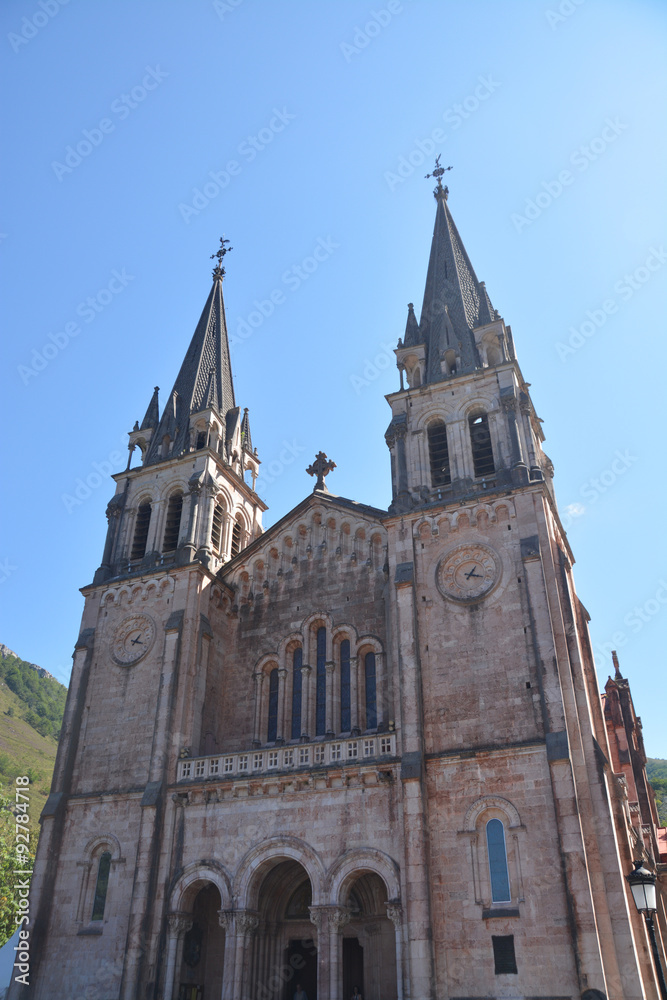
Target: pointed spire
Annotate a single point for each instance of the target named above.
(618, 676)
(246, 439)
(412, 333)
(205, 378)
(455, 302)
(152, 417)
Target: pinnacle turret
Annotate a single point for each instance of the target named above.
(152, 417)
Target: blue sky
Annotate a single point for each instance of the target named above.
(137, 133)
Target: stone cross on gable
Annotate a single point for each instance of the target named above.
(321, 467)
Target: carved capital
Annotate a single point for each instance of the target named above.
(317, 916)
(508, 404)
(179, 923)
(395, 913)
(226, 919)
(339, 916)
(246, 921)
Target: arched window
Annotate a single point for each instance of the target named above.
(141, 531)
(297, 663)
(371, 692)
(345, 703)
(500, 881)
(201, 440)
(173, 523)
(272, 731)
(321, 683)
(101, 886)
(438, 454)
(480, 440)
(216, 527)
(236, 538)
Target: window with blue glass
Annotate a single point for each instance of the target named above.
(297, 662)
(500, 880)
(371, 692)
(321, 683)
(345, 703)
(101, 886)
(272, 731)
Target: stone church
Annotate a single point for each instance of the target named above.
(363, 748)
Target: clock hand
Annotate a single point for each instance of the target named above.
(472, 573)
(137, 640)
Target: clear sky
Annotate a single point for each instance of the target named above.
(137, 133)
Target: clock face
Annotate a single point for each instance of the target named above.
(132, 639)
(469, 573)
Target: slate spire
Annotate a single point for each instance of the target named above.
(205, 378)
(152, 416)
(455, 302)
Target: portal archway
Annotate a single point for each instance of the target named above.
(369, 940)
(200, 964)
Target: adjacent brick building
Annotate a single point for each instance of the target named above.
(364, 747)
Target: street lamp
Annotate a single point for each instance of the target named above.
(642, 884)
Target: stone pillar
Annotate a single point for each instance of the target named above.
(339, 916)
(113, 512)
(381, 695)
(246, 923)
(306, 699)
(178, 924)
(258, 677)
(519, 467)
(395, 914)
(226, 920)
(282, 682)
(524, 407)
(402, 463)
(204, 552)
(189, 547)
(329, 705)
(354, 695)
(319, 917)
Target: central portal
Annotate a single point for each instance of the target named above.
(284, 949)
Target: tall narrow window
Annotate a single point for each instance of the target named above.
(201, 440)
(345, 703)
(173, 523)
(216, 527)
(141, 531)
(297, 663)
(236, 539)
(371, 692)
(321, 683)
(438, 454)
(500, 881)
(480, 440)
(101, 886)
(272, 731)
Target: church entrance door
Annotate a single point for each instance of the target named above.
(302, 957)
(353, 967)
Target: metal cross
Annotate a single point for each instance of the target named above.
(219, 271)
(438, 172)
(321, 467)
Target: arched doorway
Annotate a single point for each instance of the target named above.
(284, 947)
(201, 962)
(369, 941)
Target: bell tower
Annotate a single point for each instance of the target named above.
(192, 496)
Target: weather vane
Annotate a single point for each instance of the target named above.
(219, 271)
(439, 172)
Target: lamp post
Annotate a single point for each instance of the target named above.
(642, 884)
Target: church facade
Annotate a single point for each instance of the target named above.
(363, 748)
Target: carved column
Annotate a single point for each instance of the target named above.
(525, 408)
(402, 462)
(395, 914)
(113, 512)
(204, 552)
(306, 699)
(354, 695)
(282, 683)
(226, 921)
(178, 924)
(189, 547)
(329, 704)
(258, 678)
(246, 924)
(318, 917)
(517, 462)
(339, 916)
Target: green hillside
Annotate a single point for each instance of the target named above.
(31, 710)
(657, 775)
